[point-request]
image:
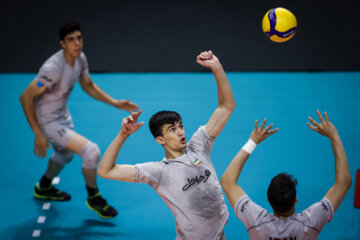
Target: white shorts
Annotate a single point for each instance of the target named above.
(59, 132)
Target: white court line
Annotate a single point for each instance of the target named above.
(36, 233)
(46, 206)
(41, 219)
(56, 180)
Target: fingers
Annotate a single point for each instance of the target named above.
(312, 127)
(256, 125)
(40, 151)
(268, 128)
(206, 55)
(320, 116)
(133, 107)
(326, 117)
(271, 132)
(314, 122)
(140, 124)
(263, 124)
(135, 115)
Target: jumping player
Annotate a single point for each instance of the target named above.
(44, 102)
(185, 179)
(285, 223)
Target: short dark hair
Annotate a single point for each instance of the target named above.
(68, 27)
(160, 118)
(282, 192)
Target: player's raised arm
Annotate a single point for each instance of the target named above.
(226, 101)
(108, 167)
(342, 173)
(229, 179)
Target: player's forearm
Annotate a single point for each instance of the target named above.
(342, 171)
(225, 94)
(94, 91)
(29, 110)
(233, 171)
(108, 160)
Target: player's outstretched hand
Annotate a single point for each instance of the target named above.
(208, 59)
(126, 105)
(41, 145)
(129, 124)
(325, 127)
(260, 134)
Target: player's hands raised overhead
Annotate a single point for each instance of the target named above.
(129, 124)
(260, 134)
(208, 59)
(325, 127)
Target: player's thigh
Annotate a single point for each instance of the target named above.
(76, 143)
(62, 136)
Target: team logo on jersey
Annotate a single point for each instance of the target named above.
(244, 205)
(196, 180)
(197, 162)
(324, 206)
(46, 78)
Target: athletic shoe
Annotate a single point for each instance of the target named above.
(51, 193)
(98, 204)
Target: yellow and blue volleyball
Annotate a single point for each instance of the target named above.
(279, 24)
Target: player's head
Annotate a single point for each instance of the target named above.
(68, 27)
(71, 38)
(167, 129)
(282, 193)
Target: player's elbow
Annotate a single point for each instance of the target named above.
(344, 183)
(348, 182)
(225, 182)
(101, 172)
(22, 98)
(230, 106)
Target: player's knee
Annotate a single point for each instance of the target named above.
(90, 155)
(62, 158)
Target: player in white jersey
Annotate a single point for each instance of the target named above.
(185, 179)
(44, 102)
(285, 223)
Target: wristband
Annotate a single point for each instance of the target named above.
(249, 146)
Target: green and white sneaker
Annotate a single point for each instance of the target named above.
(51, 193)
(98, 204)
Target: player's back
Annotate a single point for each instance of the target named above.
(291, 228)
(302, 226)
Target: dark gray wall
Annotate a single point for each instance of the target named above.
(153, 35)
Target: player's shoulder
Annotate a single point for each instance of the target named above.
(54, 63)
(83, 57)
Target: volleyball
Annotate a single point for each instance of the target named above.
(279, 24)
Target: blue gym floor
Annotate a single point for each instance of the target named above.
(285, 99)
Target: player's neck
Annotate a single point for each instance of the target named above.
(172, 154)
(69, 59)
(284, 215)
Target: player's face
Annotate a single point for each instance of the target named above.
(174, 136)
(73, 44)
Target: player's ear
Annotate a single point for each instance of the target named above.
(160, 140)
(62, 43)
(296, 200)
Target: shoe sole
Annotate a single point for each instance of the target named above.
(50, 198)
(98, 213)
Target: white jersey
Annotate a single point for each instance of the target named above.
(59, 78)
(191, 189)
(302, 226)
